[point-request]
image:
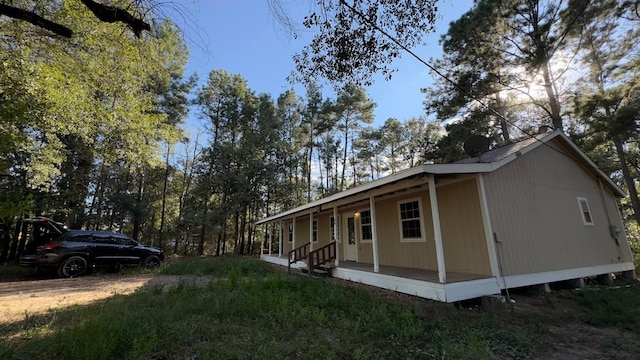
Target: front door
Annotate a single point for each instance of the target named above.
(350, 245)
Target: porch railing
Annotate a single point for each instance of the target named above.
(297, 254)
(321, 256)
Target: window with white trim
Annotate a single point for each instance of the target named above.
(365, 226)
(290, 232)
(332, 229)
(585, 211)
(410, 220)
(315, 230)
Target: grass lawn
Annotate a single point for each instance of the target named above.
(256, 311)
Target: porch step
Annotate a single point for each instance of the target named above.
(320, 271)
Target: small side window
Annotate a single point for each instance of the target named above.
(315, 230)
(411, 223)
(332, 227)
(365, 226)
(290, 232)
(585, 211)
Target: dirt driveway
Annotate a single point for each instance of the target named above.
(19, 298)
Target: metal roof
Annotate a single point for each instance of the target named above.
(487, 162)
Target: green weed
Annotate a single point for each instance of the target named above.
(254, 311)
(219, 267)
(610, 306)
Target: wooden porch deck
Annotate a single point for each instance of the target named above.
(412, 273)
(418, 282)
(403, 272)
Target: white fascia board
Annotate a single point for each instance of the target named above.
(471, 289)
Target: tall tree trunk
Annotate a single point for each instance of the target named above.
(224, 239)
(18, 236)
(95, 201)
(250, 237)
(310, 159)
(178, 239)
(335, 178)
(628, 178)
(112, 218)
(556, 119)
(219, 240)
(187, 244)
(236, 230)
(6, 238)
(253, 214)
(137, 215)
(504, 125)
(243, 228)
(203, 227)
(164, 198)
(205, 212)
(99, 195)
(344, 156)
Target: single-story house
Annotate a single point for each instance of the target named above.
(533, 212)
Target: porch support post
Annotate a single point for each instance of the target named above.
(280, 244)
(293, 240)
(374, 234)
(270, 235)
(311, 231)
(488, 230)
(437, 232)
(336, 221)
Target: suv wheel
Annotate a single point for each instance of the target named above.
(151, 262)
(72, 267)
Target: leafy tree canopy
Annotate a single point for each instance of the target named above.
(355, 39)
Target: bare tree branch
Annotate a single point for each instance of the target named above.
(104, 13)
(111, 14)
(35, 19)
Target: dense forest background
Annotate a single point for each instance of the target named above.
(92, 128)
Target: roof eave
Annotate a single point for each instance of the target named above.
(442, 169)
(433, 169)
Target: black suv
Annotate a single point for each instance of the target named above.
(76, 252)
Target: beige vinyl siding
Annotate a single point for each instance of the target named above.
(324, 229)
(302, 230)
(463, 235)
(461, 223)
(393, 252)
(611, 201)
(536, 217)
(286, 245)
(301, 233)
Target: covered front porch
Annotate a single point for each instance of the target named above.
(417, 282)
(420, 234)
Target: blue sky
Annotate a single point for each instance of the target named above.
(242, 37)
